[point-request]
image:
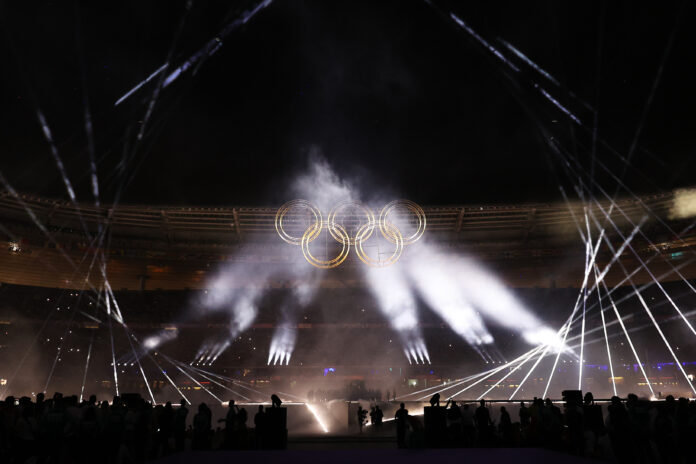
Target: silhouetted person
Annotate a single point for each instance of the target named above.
(524, 416)
(240, 435)
(435, 400)
(260, 426)
(275, 401)
(483, 423)
(468, 425)
(505, 426)
(180, 426)
(25, 430)
(619, 430)
(201, 428)
(165, 424)
(665, 430)
(401, 418)
(454, 421)
(574, 422)
(89, 434)
(553, 424)
(379, 415)
(362, 415)
(593, 423)
(230, 421)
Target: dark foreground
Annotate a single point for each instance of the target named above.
(378, 456)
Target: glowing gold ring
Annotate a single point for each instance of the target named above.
(283, 210)
(417, 210)
(331, 219)
(393, 232)
(313, 231)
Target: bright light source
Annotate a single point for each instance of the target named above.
(315, 413)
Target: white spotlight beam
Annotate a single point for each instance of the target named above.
(185, 366)
(606, 337)
(652, 276)
(516, 368)
(210, 48)
(628, 219)
(519, 386)
(657, 327)
(452, 384)
(228, 379)
(169, 379)
(84, 376)
(588, 244)
(575, 308)
(495, 371)
(314, 412)
(111, 335)
(628, 337)
(194, 380)
(130, 342)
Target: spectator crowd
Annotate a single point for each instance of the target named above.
(629, 431)
(63, 430)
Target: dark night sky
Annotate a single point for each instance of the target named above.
(389, 92)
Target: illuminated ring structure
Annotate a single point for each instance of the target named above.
(283, 210)
(388, 229)
(368, 213)
(336, 230)
(394, 233)
(414, 208)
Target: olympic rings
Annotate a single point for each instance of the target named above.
(388, 229)
(283, 210)
(368, 212)
(417, 210)
(398, 240)
(313, 231)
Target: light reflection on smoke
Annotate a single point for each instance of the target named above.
(456, 287)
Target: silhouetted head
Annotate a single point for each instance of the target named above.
(482, 403)
(201, 407)
(92, 399)
(230, 403)
(522, 404)
(403, 405)
(40, 397)
(502, 409)
(261, 408)
(549, 402)
(183, 402)
(615, 401)
(589, 398)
